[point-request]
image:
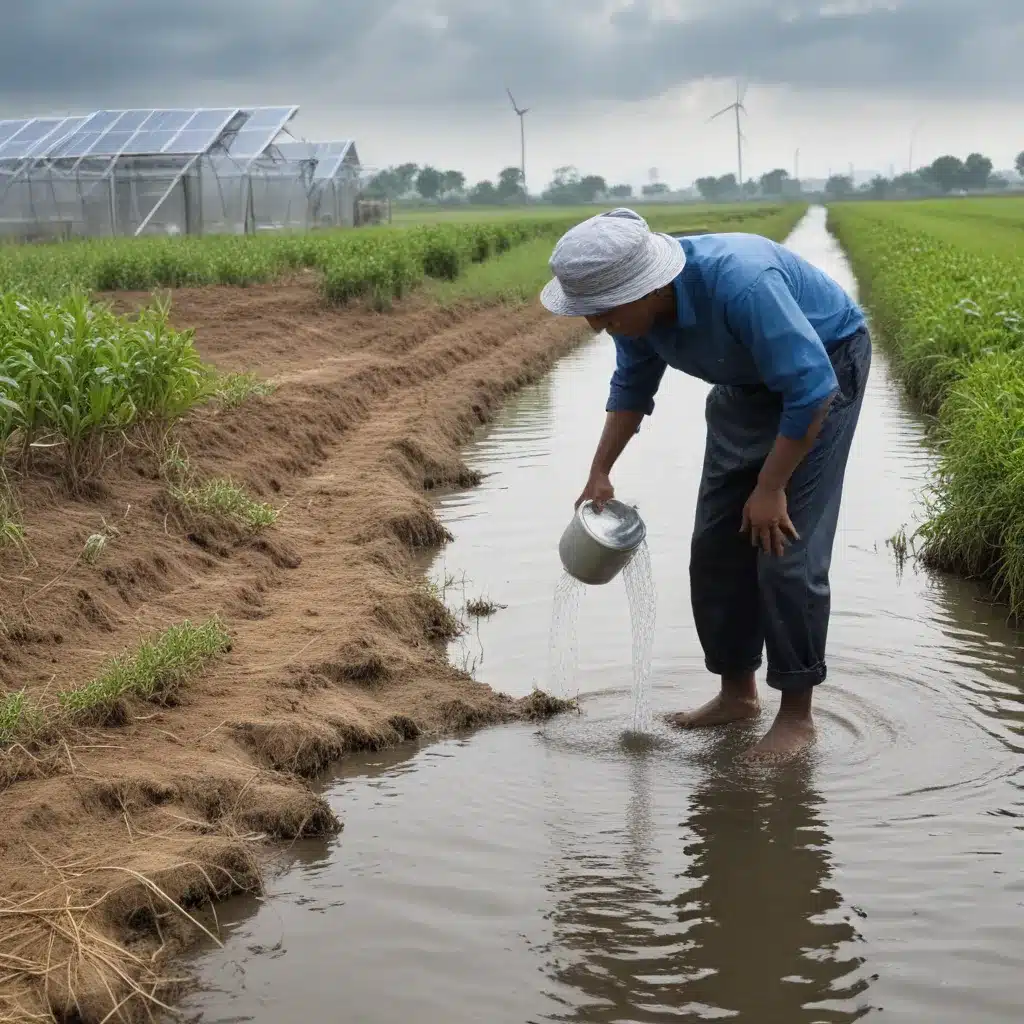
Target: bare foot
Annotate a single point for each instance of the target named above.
(787, 737)
(720, 710)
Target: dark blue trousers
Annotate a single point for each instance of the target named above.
(745, 601)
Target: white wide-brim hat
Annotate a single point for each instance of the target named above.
(607, 261)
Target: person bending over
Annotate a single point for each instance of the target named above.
(788, 353)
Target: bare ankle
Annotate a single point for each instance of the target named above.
(740, 687)
(796, 704)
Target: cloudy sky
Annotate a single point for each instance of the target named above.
(617, 87)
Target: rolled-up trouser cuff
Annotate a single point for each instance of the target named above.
(801, 679)
(716, 669)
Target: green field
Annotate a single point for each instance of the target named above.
(382, 263)
(655, 213)
(944, 282)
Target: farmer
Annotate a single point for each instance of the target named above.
(789, 353)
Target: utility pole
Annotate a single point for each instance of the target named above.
(796, 165)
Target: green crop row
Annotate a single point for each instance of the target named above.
(952, 320)
(72, 373)
(379, 263)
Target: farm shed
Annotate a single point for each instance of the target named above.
(135, 172)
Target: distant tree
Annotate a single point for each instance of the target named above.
(914, 183)
(997, 181)
(656, 188)
(453, 181)
(591, 186)
(718, 190)
(749, 187)
(393, 182)
(569, 188)
(510, 183)
(947, 172)
(839, 186)
(1019, 164)
(774, 182)
(483, 193)
(621, 192)
(977, 171)
(429, 182)
(879, 187)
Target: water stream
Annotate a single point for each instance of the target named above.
(529, 874)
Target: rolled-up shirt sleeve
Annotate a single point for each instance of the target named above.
(637, 376)
(789, 354)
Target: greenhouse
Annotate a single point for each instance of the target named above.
(135, 172)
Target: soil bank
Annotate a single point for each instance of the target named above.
(113, 835)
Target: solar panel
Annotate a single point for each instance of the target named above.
(101, 120)
(132, 119)
(192, 140)
(331, 159)
(10, 127)
(210, 119)
(250, 142)
(149, 143)
(267, 117)
(259, 131)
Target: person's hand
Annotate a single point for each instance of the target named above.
(598, 490)
(766, 519)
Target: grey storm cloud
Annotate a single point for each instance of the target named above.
(78, 53)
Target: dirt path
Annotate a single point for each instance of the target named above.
(334, 636)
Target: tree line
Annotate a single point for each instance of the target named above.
(569, 187)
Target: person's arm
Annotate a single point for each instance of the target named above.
(793, 362)
(637, 376)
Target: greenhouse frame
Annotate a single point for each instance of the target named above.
(173, 172)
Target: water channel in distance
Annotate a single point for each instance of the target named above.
(531, 874)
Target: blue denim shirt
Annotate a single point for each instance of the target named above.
(749, 312)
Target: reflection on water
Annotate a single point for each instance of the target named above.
(560, 874)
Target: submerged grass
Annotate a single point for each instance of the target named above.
(953, 320)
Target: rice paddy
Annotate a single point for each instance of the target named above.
(944, 282)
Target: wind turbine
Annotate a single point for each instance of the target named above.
(521, 113)
(736, 108)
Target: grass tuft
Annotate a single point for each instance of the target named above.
(233, 389)
(155, 672)
(226, 501)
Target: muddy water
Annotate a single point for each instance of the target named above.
(554, 874)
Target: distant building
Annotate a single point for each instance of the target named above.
(173, 172)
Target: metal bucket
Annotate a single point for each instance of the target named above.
(597, 546)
